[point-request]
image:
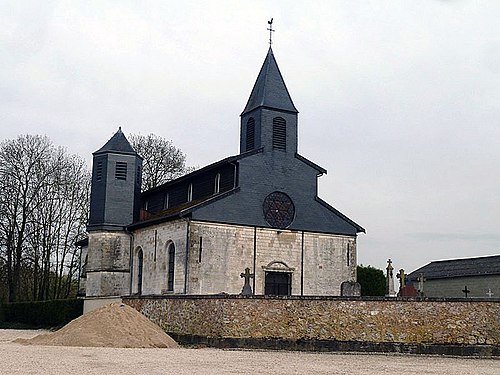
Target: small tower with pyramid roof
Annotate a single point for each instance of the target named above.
(269, 120)
(114, 204)
(116, 185)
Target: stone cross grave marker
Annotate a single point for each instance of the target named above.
(389, 285)
(421, 279)
(247, 289)
(402, 278)
(466, 291)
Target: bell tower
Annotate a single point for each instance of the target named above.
(269, 119)
(114, 204)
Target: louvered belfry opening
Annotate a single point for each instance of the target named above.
(250, 134)
(279, 133)
(121, 170)
(98, 171)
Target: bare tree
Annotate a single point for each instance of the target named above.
(24, 166)
(58, 221)
(162, 160)
(43, 206)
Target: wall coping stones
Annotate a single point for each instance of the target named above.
(314, 298)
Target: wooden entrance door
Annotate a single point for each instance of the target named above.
(278, 284)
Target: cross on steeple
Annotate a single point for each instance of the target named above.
(270, 28)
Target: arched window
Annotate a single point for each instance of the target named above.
(250, 134)
(140, 263)
(190, 193)
(348, 255)
(217, 183)
(166, 202)
(171, 267)
(84, 266)
(279, 133)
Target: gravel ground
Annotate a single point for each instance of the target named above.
(19, 359)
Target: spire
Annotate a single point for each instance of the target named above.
(270, 90)
(118, 144)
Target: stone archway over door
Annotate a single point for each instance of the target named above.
(278, 278)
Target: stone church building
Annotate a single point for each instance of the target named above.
(197, 234)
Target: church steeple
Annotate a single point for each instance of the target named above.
(270, 90)
(269, 119)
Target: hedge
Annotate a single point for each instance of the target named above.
(42, 313)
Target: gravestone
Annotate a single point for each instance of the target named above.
(408, 291)
(402, 278)
(466, 291)
(389, 280)
(350, 289)
(247, 289)
(421, 279)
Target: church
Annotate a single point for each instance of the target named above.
(254, 218)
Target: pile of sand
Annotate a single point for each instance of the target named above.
(115, 325)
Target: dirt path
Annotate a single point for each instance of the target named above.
(21, 359)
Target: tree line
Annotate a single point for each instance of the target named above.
(44, 203)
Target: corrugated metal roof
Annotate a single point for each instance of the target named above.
(443, 269)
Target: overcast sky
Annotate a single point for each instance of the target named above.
(398, 100)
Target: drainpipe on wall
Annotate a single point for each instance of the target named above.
(302, 265)
(254, 258)
(187, 257)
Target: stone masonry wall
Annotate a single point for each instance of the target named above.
(219, 253)
(408, 322)
(108, 272)
(154, 241)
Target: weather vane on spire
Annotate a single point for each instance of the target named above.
(270, 28)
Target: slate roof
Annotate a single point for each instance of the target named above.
(185, 209)
(117, 144)
(444, 269)
(270, 90)
(200, 171)
(179, 211)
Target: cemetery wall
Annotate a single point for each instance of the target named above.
(438, 326)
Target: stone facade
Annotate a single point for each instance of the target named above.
(108, 265)
(154, 242)
(219, 253)
(406, 322)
